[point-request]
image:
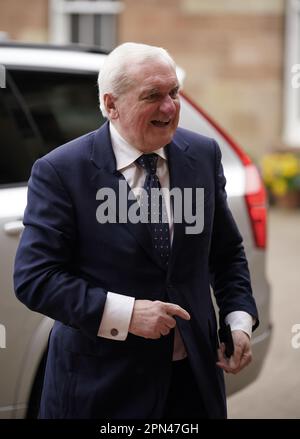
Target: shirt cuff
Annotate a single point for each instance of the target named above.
(240, 320)
(116, 316)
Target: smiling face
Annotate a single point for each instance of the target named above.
(147, 113)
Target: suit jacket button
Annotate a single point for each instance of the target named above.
(114, 332)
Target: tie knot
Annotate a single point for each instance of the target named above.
(148, 162)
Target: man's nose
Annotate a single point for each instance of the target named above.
(168, 105)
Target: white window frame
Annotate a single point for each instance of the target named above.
(61, 11)
(291, 122)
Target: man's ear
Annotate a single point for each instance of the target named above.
(109, 102)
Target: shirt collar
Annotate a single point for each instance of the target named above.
(125, 153)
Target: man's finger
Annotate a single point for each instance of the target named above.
(246, 359)
(169, 321)
(164, 331)
(176, 310)
(234, 361)
(223, 361)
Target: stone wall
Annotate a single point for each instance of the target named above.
(232, 52)
(24, 20)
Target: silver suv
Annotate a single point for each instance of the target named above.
(51, 97)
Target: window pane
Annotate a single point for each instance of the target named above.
(86, 29)
(63, 105)
(105, 34)
(74, 24)
(20, 146)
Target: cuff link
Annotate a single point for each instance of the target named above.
(114, 332)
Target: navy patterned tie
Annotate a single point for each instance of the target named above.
(160, 227)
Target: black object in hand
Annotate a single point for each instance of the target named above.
(225, 337)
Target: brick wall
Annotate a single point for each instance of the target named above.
(233, 59)
(231, 50)
(24, 20)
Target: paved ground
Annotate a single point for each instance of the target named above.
(276, 393)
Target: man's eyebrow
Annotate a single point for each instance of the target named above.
(150, 90)
(155, 90)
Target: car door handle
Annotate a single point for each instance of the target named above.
(14, 228)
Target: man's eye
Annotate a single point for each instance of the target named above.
(174, 94)
(152, 97)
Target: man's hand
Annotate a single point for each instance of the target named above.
(152, 319)
(242, 353)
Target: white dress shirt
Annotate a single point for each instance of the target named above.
(118, 308)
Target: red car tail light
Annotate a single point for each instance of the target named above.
(255, 194)
(256, 202)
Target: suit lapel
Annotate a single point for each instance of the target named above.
(183, 171)
(106, 175)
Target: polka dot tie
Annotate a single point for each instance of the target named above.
(159, 229)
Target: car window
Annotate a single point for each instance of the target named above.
(19, 142)
(63, 105)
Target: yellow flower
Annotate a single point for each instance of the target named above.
(279, 187)
(281, 172)
(290, 166)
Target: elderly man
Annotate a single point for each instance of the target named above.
(135, 333)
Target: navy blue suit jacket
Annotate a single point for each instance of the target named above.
(67, 261)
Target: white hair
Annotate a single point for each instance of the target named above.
(114, 76)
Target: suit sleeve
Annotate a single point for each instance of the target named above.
(230, 275)
(46, 278)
